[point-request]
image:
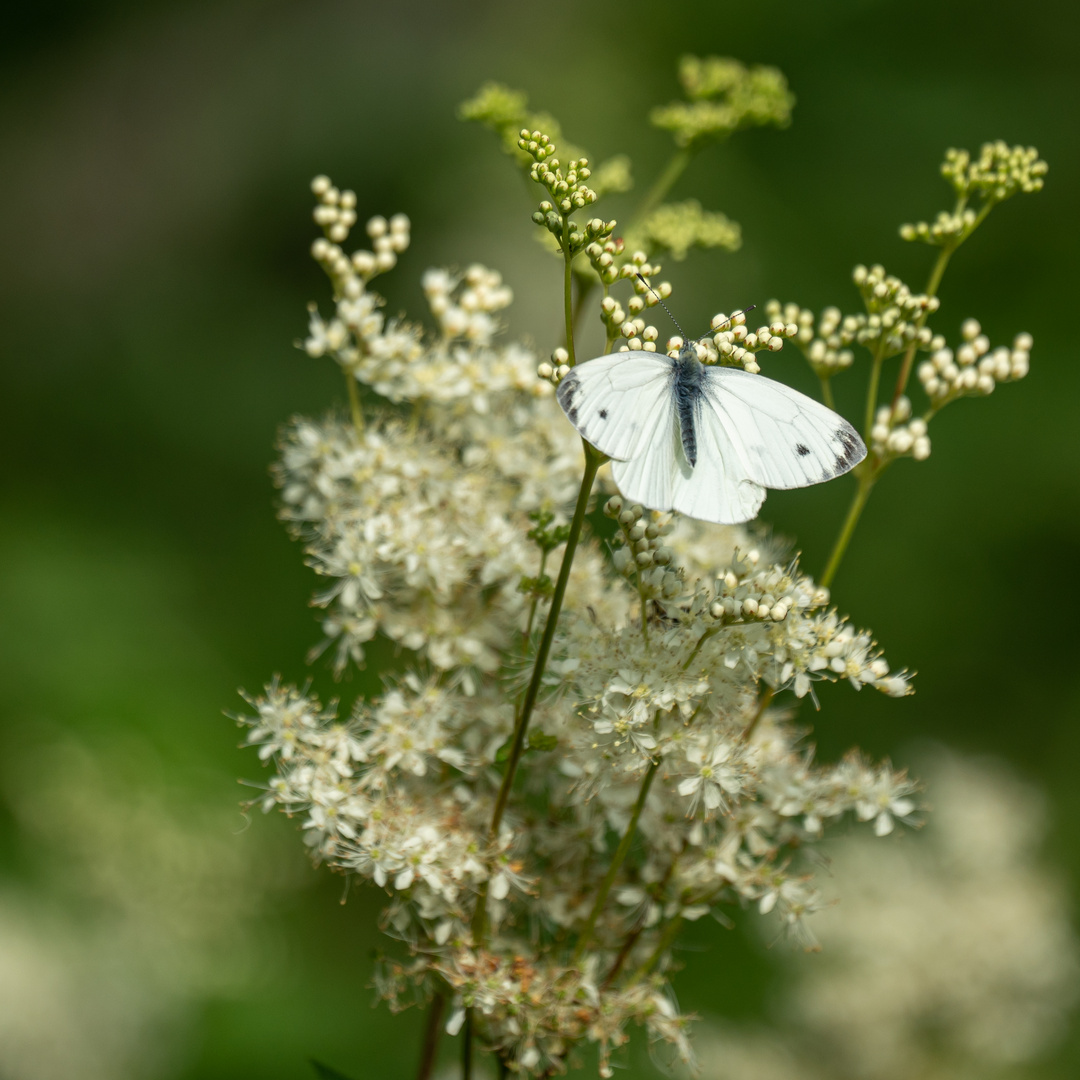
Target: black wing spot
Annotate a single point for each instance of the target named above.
(801, 450)
(603, 414)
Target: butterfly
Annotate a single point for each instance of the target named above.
(705, 441)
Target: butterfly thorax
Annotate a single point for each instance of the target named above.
(689, 374)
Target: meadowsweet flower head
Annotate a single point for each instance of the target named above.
(590, 736)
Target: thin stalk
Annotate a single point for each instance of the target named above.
(666, 938)
(616, 863)
(713, 630)
(536, 598)
(664, 182)
(644, 609)
(466, 1048)
(847, 530)
(568, 290)
(432, 1031)
(521, 726)
(592, 464)
(827, 394)
(354, 402)
(872, 389)
(932, 287)
(763, 704)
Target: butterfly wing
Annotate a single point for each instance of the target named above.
(716, 489)
(621, 403)
(784, 438)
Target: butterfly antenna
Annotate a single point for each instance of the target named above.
(641, 278)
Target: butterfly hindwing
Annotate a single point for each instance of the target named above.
(715, 489)
(621, 402)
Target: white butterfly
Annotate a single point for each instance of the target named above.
(706, 441)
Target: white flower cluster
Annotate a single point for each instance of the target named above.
(973, 370)
(948, 956)
(653, 718)
(391, 356)
(464, 306)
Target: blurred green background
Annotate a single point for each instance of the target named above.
(154, 226)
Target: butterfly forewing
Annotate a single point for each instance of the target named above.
(787, 439)
(620, 403)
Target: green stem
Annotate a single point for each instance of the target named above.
(875, 382)
(354, 402)
(466, 1048)
(932, 286)
(847, 530)
(592, 464)
(616, 863)
(666, 938)
(827, 394)
(934, 283)
(763, 704)
(568, 290)
(664, 182)
(536, 597)
(701, 641)
(432, 1031)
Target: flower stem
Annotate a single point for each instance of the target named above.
(354, 402)
(616, 863)
(466, 1048)
(872, 389)
(666, 938)
(593, 460)
(432, 1031)
(568, 289)
(847, 530)
(827, 394)
(764, 702)
(664, 182)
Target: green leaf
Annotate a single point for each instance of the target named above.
(539, 741)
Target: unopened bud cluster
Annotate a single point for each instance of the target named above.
(895, 315)
(336, 214)
(823, 345)
(896, 434)
(627, 322)
(639, 552)
(734, 345)
(604, 258)
(999, 171)
(568, 192)
(750, 591)
(973, 370)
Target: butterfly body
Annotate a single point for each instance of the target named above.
(704, 440)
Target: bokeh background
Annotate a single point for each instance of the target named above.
(154, 226)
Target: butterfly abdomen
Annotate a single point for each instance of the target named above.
(687, 391)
